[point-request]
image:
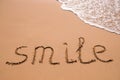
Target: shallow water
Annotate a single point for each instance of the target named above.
(100, 13)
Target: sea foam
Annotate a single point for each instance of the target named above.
(100, 13)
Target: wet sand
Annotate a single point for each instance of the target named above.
(34, 23)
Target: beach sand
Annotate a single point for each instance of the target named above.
(34, 23)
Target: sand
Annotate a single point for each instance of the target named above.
(34, 23)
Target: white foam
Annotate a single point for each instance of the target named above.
(100, 13)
